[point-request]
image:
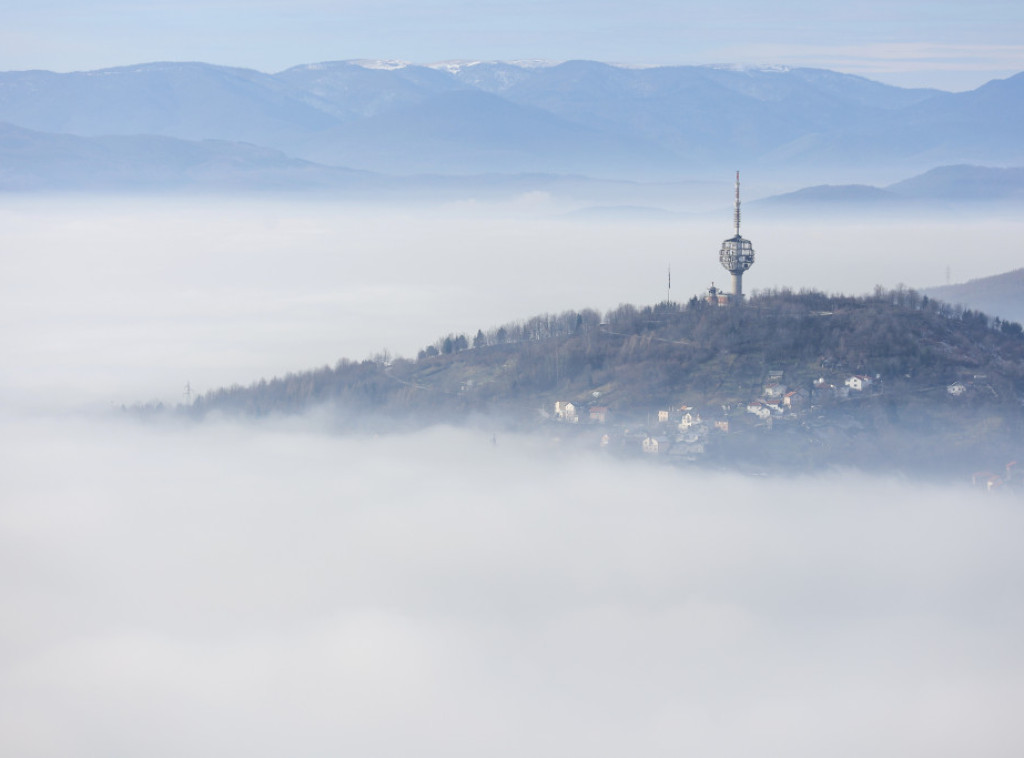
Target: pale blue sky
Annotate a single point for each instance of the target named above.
(941, 43)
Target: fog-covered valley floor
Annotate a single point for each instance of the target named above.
(270, 588)
(280, 589)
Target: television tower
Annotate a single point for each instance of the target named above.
(737, 254)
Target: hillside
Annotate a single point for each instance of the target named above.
(935, 388)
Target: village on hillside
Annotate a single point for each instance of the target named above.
(684, 434)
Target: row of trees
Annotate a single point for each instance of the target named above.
(659, 352)
(535, 329)
(895, 332)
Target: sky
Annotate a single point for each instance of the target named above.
(954, 45)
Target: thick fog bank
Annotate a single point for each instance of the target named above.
(118, 300)
(274, 589)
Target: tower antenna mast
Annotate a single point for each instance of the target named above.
(736, 210)
(737, 254)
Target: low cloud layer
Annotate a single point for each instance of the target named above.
(279, 589)
(282, 589)
(125, 301)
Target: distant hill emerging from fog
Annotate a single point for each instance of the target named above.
(963, 186)
(579, 117)
(975, 183)
(942, 391)
(1001, 295)
(37, 161)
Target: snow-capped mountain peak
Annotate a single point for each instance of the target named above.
(380, 64)
(768, 68)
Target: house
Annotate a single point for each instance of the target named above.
(858, 382)
(690, 418)
(662, 417)
(775, 389)
(566, 412)
(722, 426)
(598, 414)
(650, 445)
(759, 409)
(956, 389)
(716, 296)
(794, 399)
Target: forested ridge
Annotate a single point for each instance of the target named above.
(635, 361)
(664, 353)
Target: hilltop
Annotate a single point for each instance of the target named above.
(790, 381)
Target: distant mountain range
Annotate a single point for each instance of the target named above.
(184, 124)
(36, 161)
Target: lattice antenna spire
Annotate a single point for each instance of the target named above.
(736, 210)
(737, 254)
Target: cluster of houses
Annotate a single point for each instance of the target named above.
(777, 399)
(677, 432)
(976, 383)
(570, 413)
(682, 433)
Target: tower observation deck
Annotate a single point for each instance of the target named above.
(737, 254)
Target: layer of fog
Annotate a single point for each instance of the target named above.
(123, 300)
(278, 589)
